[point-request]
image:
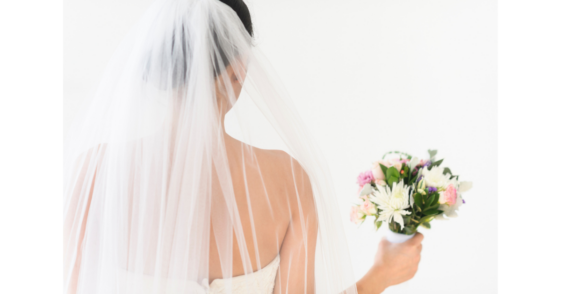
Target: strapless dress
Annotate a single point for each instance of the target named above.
(258, 282)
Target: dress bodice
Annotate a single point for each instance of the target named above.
(258, 282)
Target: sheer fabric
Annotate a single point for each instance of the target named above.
(157, 193)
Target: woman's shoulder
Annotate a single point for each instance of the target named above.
(285, 169)
(279, 160)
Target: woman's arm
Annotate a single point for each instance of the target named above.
(297, 253)
(393, 264)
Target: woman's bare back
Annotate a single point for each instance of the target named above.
(273, 194)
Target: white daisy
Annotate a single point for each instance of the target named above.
(392, 203)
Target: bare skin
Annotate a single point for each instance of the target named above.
(394, 263)
(283, 213)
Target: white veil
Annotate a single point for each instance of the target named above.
(152, 182)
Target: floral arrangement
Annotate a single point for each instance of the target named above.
(407, 193)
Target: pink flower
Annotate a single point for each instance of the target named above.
(395, 162)
(368, 208)
(449, 196)
(377, 170)
(357, 216)
(365, 178)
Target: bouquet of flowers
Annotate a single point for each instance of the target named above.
(407, 193)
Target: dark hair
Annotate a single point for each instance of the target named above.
(179, 48)
(243, 13)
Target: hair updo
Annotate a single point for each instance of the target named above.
(243, 13)
(155, 73)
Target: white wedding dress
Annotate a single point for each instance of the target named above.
(258, 282)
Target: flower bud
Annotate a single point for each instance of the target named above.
(421, 185)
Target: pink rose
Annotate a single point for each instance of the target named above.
(357, 216)
(395, 162)
(368, 208)
(365, 178)
(448, 196)
(377, 170)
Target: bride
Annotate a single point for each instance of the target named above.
(159, 198)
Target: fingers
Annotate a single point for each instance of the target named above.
(417, 239)
(384, 242)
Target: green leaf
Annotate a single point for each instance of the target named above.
(437, 163)
(426, 219)
(397, 152)
(431, 212)
(394, 227)
(434, 201)
(384, 169)
(429, 202)
(417, 197)
(433, 206)
(392, 171)
(414, 179)
(409, 230)
(432, 153)
(426, 225)
(447, 171)
(392, 175)
(406, 219)
(391, 180)
(378, 225)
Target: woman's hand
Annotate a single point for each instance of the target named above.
(393, 264)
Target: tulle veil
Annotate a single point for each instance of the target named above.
(147, 172)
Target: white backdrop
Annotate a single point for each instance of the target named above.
(367, 76)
